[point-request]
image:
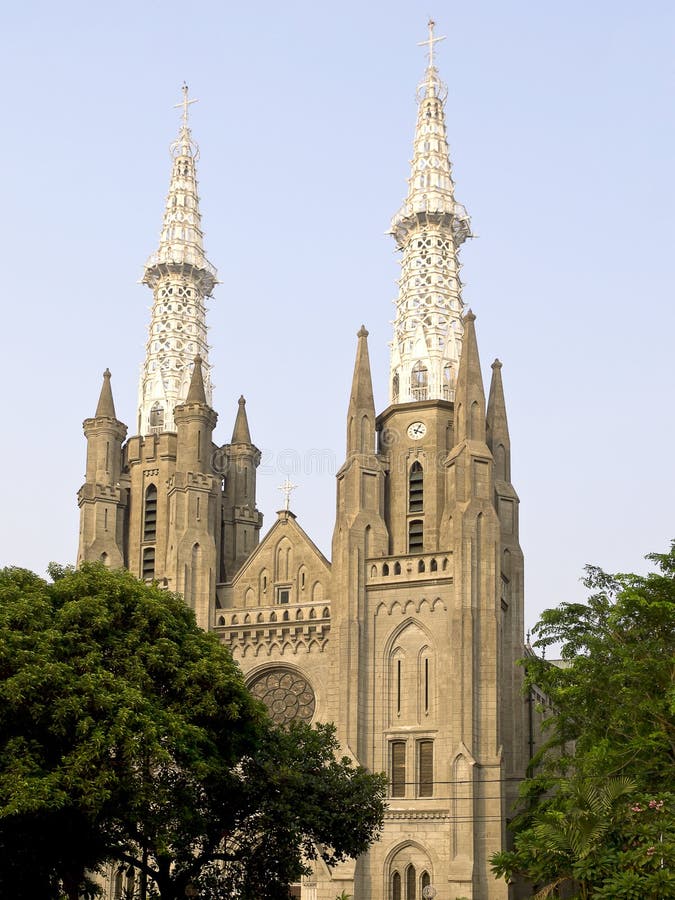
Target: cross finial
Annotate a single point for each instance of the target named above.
(431, 40)
(286, 488)
(185, 103)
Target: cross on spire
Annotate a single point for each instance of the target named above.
(286, 488)
(185, 103)
(431, 40)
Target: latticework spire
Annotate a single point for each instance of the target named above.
(180, 277)
(428, 229)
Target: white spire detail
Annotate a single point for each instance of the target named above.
(181, 278)
(428, 229)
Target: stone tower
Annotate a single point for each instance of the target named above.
(407, 639)
(163, 503)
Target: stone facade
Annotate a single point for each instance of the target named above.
(408, 638)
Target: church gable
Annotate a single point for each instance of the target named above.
(286, 569)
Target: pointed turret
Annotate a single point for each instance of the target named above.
(180, 277)
(241, 520)
(361, 415)
(106, 404)
(428, 229)
(196, 393)
(241, 433)
(470, 395)
(497, 426)
(101, 499)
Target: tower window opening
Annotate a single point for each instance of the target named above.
(426, 685)
(416, 488)
(157, 415)
(148, 564)
(398, 768)
(425, 881)
(395, 388)
(416, 536)
(419, 381)
(150, 516)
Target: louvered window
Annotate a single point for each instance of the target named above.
(398, 768)
(415, 536)
(150, 514)
(416, 492)
(148, 564)
(425, 768)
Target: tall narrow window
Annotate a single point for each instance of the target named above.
(105, 521)
(426, 684)
(415, 536)
(416, 488)
(394, 399)
(148, 564)
(398, 768)
(150, 516)
(396, 887)
(448, 393)
(199, 445)
(425, 880)
(107, 456)
(410, 883)
(425, 768)
(398, 687)
(419, 379)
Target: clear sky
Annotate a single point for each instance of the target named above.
(561, 123)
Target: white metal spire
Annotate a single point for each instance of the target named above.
(180, 277)
(428, 229)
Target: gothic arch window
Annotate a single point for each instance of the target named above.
(395, 388)
(150, 514)
(420, 566)
(410, 883)
(425, 880)
(500, 462)
(419, 381)
(365, 434)
(385, 569)
(397, 568)
(396, 886)
(416, 488)
(415, 536)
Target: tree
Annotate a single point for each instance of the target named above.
(127, 733)
(596, 811)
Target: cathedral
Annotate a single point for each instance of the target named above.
(407, 639)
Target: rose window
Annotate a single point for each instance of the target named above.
(286, 694)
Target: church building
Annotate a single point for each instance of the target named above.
(407, 638)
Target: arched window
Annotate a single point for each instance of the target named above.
(396, 887)
(385, 569)
(416, 488)
(415, 536)
(419, 381)
(394, 399)
(410, 883)
(150, 514)
(157, 416)
(425, 880)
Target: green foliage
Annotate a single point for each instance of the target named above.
(596, 813)
(127, 733)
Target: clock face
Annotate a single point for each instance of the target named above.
(417, 430)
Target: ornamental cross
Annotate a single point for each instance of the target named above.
(286, 489)
(184, 104)
(431, 41)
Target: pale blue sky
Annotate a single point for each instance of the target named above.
(561, 123)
